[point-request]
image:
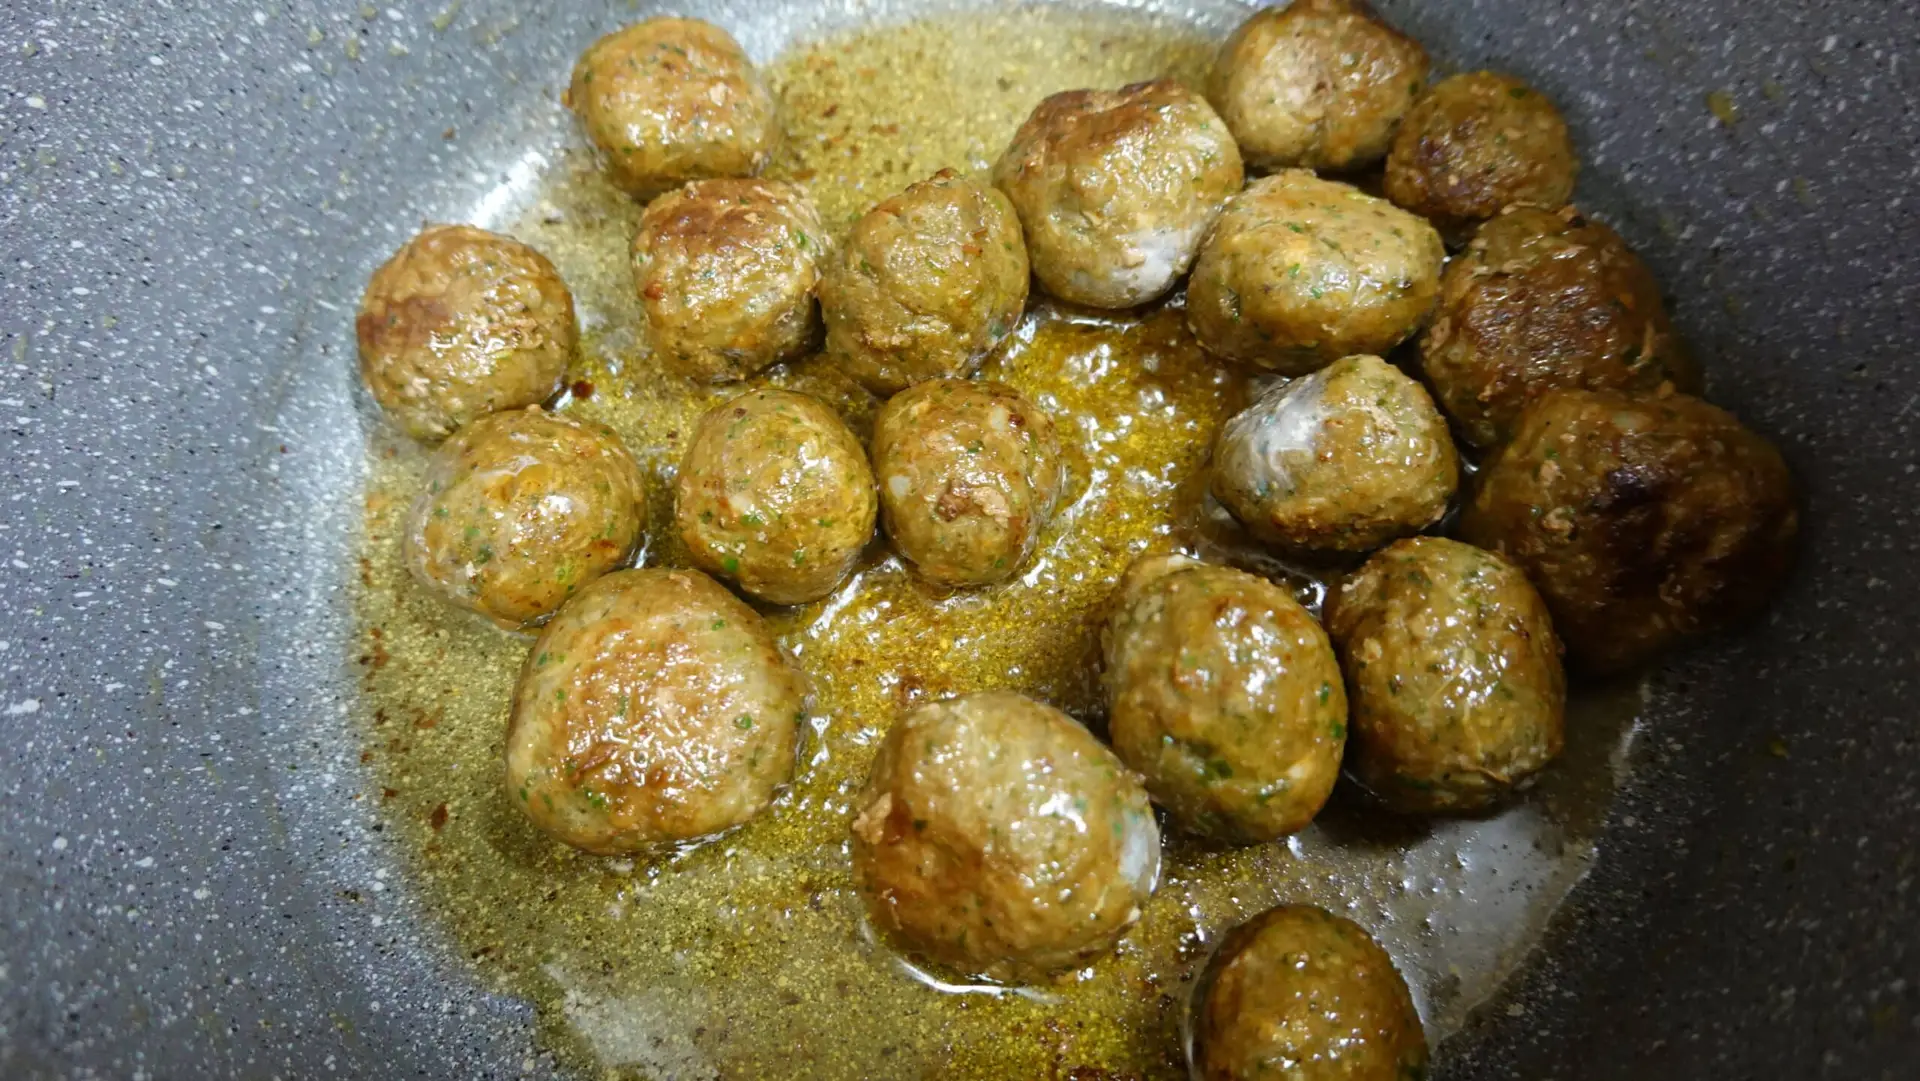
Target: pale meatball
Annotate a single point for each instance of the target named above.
(1476, 144)
(655, 708)
(521, 510)
(998, 838)
(1300, 272)
(1116, 188)
(462, 322)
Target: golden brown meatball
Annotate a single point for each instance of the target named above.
(1544, 299)
(1458, 693)
(1300, 272)
(968, 474)
(930, 281)
(1116, 188)
(654, 708)
(522, 509)
(1342, 460)
(775, 495)
(672, 100)
(1319, 84)
(997, 837)
(462, 322)
(1643, 521)
(1224, 693)
(1476, 144)
(1300, 994)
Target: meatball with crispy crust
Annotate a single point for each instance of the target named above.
(1476, 144)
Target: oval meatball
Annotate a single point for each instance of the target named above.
(655, 708)
(1544, 299)
(930, 281)
(1318, 84)
(671, 100)
(1643, 521)
(1300, 272)
(1476, 144)
(1224, 694)
(775, 495)
(998, 838)
(521, 510)
(726, 271)
(968, 474)
(461, 322)
(1458, 693)
(1342, 460)
(1116, 188)
(1300, 993)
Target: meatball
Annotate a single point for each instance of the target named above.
(1300, 993)
(726, 270)
(1342, 460)
(462, 322)
(775, 495)
(1476, 144)
(968, 475)
(1300, 272)
(1643, 521)
(1544, 299)
(1116, 188)
(1458, 694)
(1223, 692)
(672, 100)
(1319, 84)
(654, 708)
(521, 510)
(997, 837)
(930, 281)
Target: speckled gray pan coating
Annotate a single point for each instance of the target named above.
(191, 196)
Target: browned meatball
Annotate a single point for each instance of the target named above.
(671, 100)
(930, 281)
(968, 475)
(462, 322)
(1300, 272)
(1458, 694)
(726, 270)
(1300, 994)
(999, 838)
(1319, 84)
(1476, 144)
(654, 708)
(522, 509)
(1643, 521)
(1544, 299)
(775, 495)
(1116, 188)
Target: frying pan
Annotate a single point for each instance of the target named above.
(190, 197)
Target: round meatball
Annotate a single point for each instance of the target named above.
(998, 838)
(1643, 521)
(671, 100)
(1544, 299)
(968, 475)
(1458, 693)
(1342, 460)
(521, 510)
(1476, 144)
(929, 282)
(775, 495)
(655, 708)
(1224, 694)
(1116, 188)
(726, 270)
(1319, 84)
(1300, 993)
(462, 322)
(1300, 272)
